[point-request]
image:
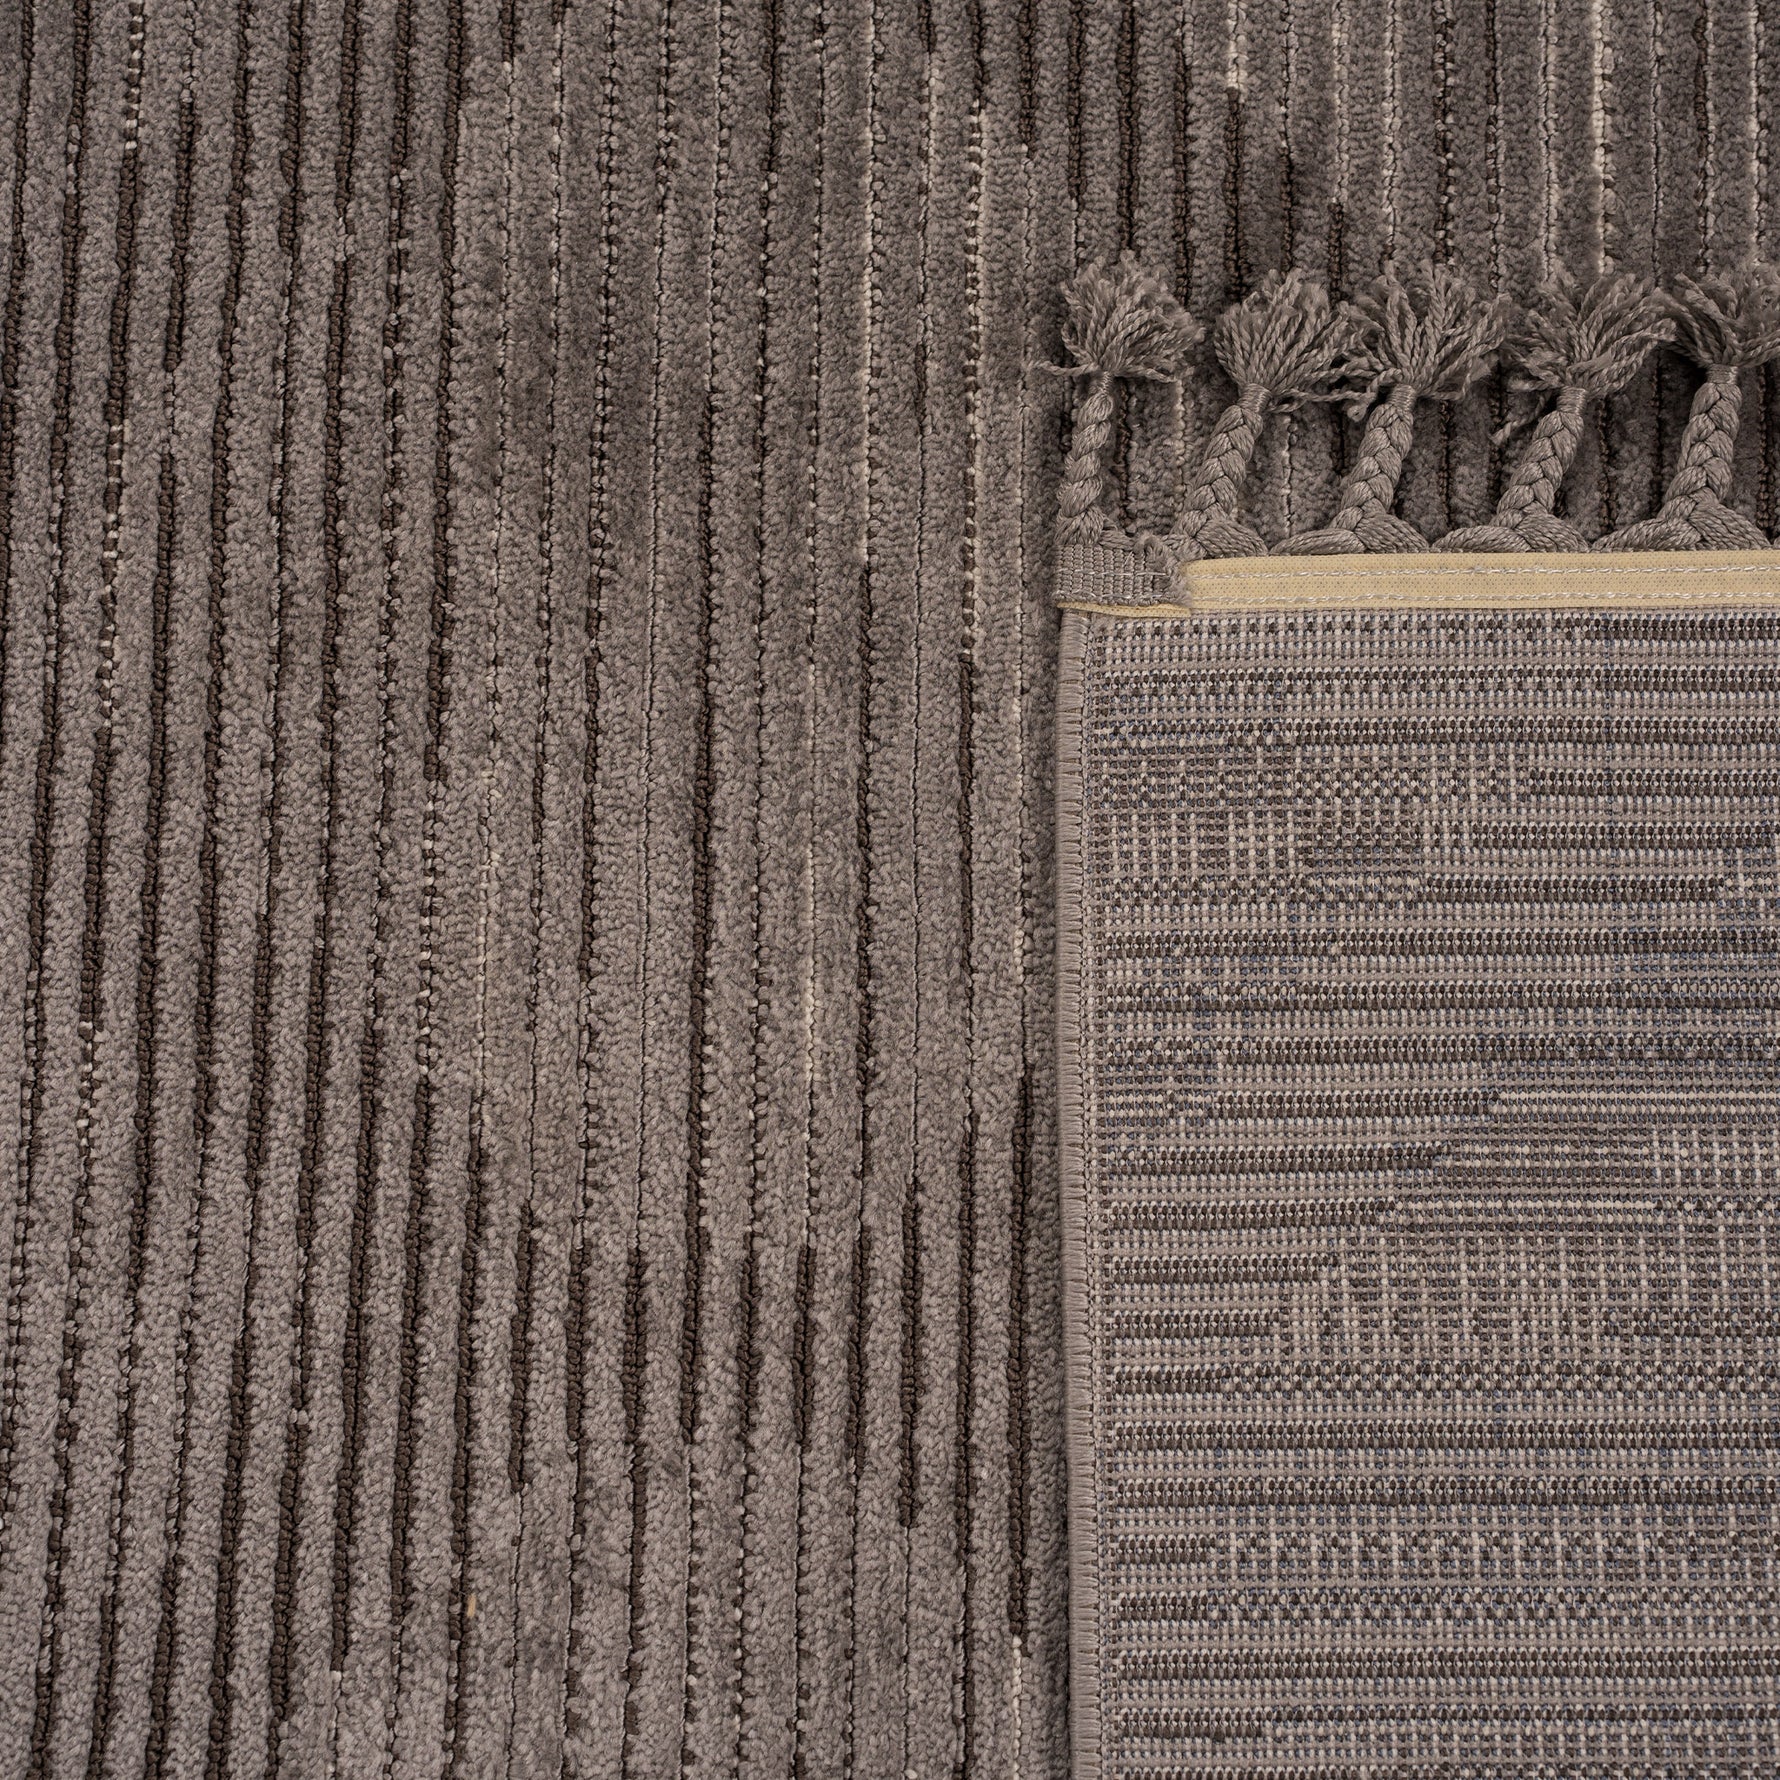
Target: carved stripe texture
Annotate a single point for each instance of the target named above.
(529, 1190)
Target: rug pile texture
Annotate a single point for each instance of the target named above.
(528, 1147)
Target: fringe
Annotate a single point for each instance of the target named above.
(1424, 334)
(1725, 325)
(1282, 346)
(1428, 334)
(1578, 344)
(1123, 325)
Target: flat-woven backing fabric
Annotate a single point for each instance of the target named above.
(528, 1185)
(1425, 1009)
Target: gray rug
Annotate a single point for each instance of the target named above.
(1419, 1076)
(525, 747)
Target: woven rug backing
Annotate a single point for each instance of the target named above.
(1420, 970)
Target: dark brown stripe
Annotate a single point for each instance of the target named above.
(747, 1367)
(316, 1013)
(71, 1377)
(149, 907)
(858, 1378)
(1019, 1433)
(348, 1479)
(1129, 124)
(1235, 258)
(204, 1073)
(290, 238)
(49, 750)
(1072, 95)
(1028, 65)
(1769, 436)
(858, 1342)
(908, 1499)
(1181, 122)
(461, 1607)
(92, 939)
(963, 1502)
(519, 1323)
(1288, 169)
(17, 262)
(803, 1377)
(635, 1361)
(693, 1235)
(1702, 119)
(415, 1248)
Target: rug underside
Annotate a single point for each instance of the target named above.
(528, 1146)
(1422, 1135)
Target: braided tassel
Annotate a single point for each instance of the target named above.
(1724, 325)
(1122, 323)
(1580, 343)
(1280, 345)
(1428, 334)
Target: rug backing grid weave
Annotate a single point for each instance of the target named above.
(1420, 979)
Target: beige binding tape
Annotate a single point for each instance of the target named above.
(1487, 581)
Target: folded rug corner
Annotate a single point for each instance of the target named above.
(1420, 965)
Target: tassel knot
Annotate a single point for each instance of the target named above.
(1580, 344)
(1725, 324)
(1281, 346)
(1121, 323)
(1426, 333)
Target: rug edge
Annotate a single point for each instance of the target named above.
(1083, 1525)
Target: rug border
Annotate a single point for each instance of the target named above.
(1538, 580)
(1078, 1407)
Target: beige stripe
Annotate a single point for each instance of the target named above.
(1637, 580)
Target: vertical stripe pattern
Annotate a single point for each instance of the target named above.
(528, 1144)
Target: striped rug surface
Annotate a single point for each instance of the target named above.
(528, 1154)
(1421, 1090)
